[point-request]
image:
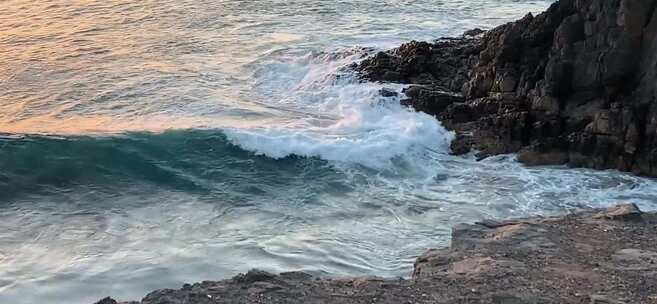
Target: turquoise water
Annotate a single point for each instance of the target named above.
(145, 144)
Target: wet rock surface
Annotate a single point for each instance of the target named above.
(595, 256)
(574, 85)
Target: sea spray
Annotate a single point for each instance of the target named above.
(155, 143)
(364, 127)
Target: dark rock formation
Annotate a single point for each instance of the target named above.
(576, 84)
(442, 64)
(107, 300)
(598, 256)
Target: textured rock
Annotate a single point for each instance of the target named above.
(442, 64)
(107, 300)
(620, 212)
(636, 259)
(576, 84)
(429, 99)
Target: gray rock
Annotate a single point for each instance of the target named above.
(635, 259)
(620, 212)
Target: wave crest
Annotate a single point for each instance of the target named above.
(335, 117)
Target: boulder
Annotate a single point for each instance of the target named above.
(620, 212)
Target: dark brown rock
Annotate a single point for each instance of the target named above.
(107, 300)
(473, 32)
(429, 99)
(532, 157)
(576, 84)
(443, 64)
(255, 275)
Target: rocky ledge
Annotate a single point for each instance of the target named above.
(595, 256)
(574, 85)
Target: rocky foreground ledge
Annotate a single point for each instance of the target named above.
(596, 256)
(574, 85)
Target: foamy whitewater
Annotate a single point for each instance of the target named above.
(146, 144)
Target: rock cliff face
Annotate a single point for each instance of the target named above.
(576, 84)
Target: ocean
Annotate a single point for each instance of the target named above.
(147, 144)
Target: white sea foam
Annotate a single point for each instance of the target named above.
(336, 118)
(150, 211)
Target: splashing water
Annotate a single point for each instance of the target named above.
(151, 143)
(360, 126)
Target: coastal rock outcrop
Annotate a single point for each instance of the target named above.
(595, 256)
(576, 84)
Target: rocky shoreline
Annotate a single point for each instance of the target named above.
(596, 256)
(574, 85)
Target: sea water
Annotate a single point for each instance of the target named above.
(146, 144)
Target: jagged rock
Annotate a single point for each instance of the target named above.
(388, 92)
(443, 64)
(576, 84)
(473, 32)
(429, 100)
(255, 275)
(107, 300)
(620, 212)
